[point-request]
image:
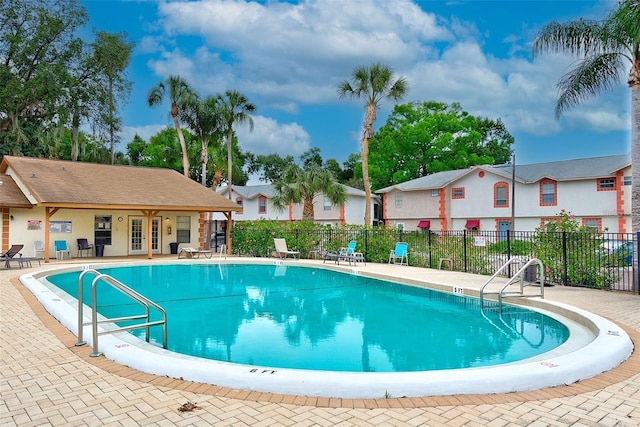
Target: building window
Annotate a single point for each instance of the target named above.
(400, 226)
(239, 201)
(606, 184)
(548, 192)
(457, 193)
(501, 195)
(327, 204)
(262, 205)
(435, 193)
(626, 180)
(593, 225)
(183, 229)
(399, 200)
(102, 230)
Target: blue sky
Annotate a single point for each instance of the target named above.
(289, 57)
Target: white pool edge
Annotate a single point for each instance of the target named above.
(610, 347)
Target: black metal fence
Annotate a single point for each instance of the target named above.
(602, 260)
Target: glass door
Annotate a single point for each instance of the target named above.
(138, 235)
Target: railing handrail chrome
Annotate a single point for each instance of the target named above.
(517, 277)
(137, 297)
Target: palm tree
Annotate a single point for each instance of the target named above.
(180, 94)
(204, 119)
(235, 109)
(303, 185)
(372, 84)
(604, 49)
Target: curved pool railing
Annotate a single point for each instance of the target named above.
(142, 300)
(518, 277)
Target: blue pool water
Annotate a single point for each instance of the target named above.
(306, 318)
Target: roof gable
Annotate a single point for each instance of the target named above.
(10, 194)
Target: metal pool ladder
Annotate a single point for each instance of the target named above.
(135, 296)
(518, 277)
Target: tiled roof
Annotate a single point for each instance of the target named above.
(10, 194)
(90, 185)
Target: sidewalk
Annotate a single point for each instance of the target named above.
(48, 381)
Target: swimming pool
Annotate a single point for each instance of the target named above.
(299, 317)
(571, 361)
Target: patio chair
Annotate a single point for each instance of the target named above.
(12, 252)
(38, 246)
(400, 253)
(349, 254)
(83, 245)
(282, 251)
(61, 249)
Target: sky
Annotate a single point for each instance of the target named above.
(288, 58)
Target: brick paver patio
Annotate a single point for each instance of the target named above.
(46, 380)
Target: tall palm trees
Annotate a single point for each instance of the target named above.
(205, 120)
(373, 84)
(180, 94)
(303, 185)
(604, 49)
(235, 110)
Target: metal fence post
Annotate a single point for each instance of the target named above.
(636, 258)
(430, 250)
(464, 249)
(565, 264)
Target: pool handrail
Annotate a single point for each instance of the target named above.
(519, 275)
(142, 300)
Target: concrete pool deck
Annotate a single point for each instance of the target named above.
(48, 381)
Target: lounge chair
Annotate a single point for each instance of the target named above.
(195, 253)
(83, 245)
(282, 251)
(11, 253)
(351, 255)
(61, 249)
(400, 253)
(346, 254)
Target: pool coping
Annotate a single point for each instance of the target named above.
(623, 371)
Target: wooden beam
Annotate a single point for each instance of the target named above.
(228, 216)
(150, 215)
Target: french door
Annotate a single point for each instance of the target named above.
(138, 235)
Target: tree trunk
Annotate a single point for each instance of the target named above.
(75, 128)
(307, 210)
(229, 165)
(204, 158)
(183, 145)
(217, 177)
(367, 133)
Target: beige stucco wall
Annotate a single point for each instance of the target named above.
(82, 226)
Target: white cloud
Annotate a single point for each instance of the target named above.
(289, 54)
(269, 136)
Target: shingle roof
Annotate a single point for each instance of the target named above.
(565, 170)
(568, 170)
(10, 194)
(433, 181)
(90, 185)
(267, 190)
